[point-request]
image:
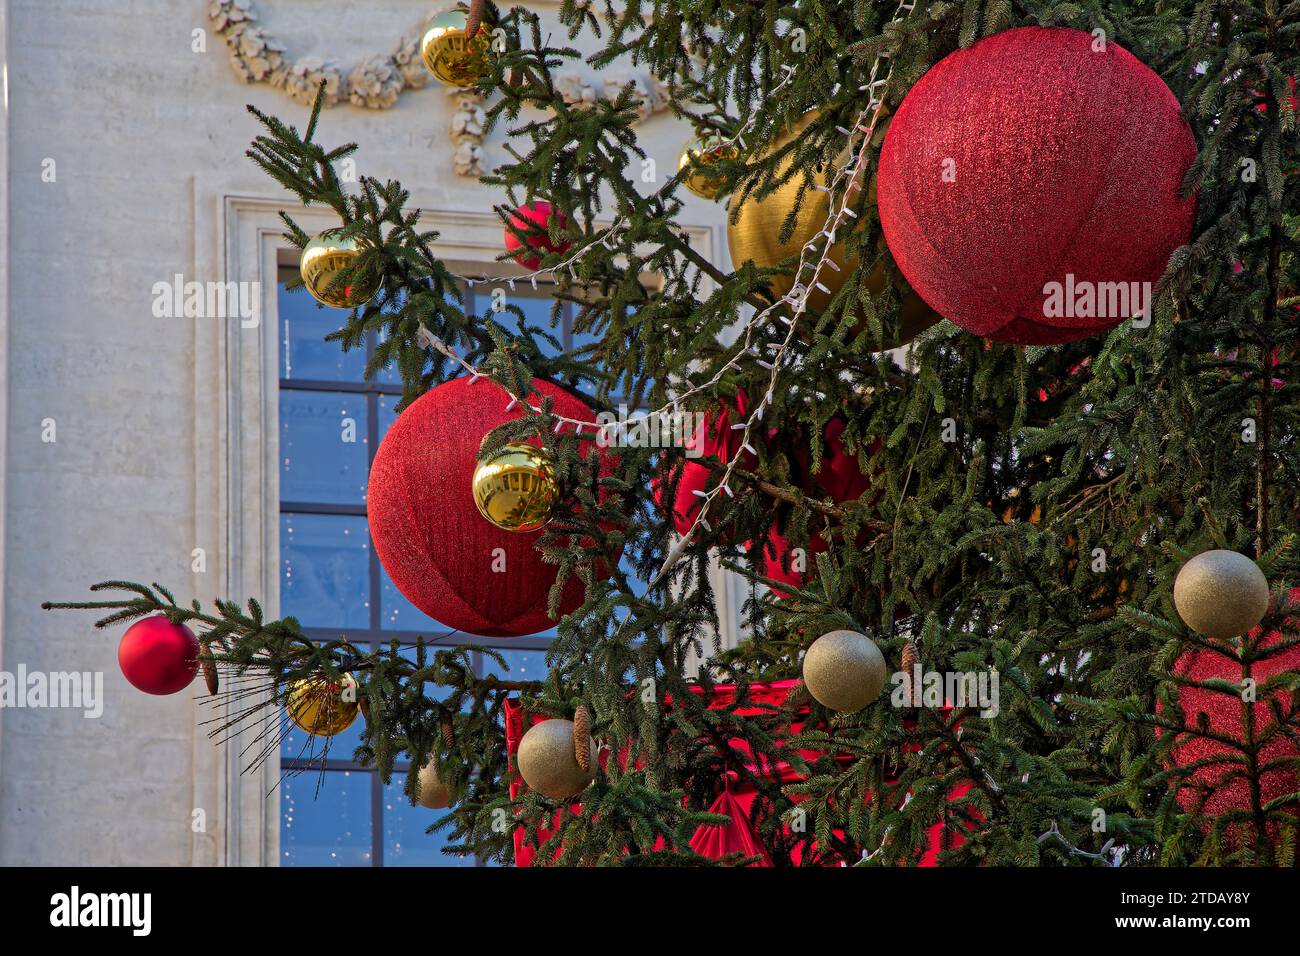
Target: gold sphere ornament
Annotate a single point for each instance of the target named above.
(450, 54)
(702, 155)
(322, 706)
(323, 259)
(754, 234)
(515, 488)
(433, 792)
(844, 670)
(1221, 593)
(548, 761)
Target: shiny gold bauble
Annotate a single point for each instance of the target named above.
(449, 55)
(702, 155)
(433, 792)
(1221, 593)
(548, 763)
(754, 237)
(322, 260)
(515, 489)
(844, 670)
(322, 706)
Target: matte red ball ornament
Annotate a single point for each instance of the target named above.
(157, 656)
(447, 559)
(1029, 185)
(1224, 786)
(534, 220)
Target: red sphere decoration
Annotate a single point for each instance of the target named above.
(1224, 786)
(533, 219)
(440, 552)
(157, 656)
(1028, 160)
(716, 439)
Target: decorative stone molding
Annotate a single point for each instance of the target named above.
(379, 80)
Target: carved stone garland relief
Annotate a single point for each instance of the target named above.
(377, 82)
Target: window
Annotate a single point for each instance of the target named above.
(331, 423)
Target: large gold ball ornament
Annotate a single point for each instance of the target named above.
(1221, 593)
(754, 237)
(321, 706)
(450, 55)
(548, 763)
(702, 155)
(323, 259)
(844, 670)
(433, 792)
(515, 488)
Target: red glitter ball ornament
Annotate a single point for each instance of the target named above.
(1224, 786)
(1029, 185)
(533, 219)
(157, 656)
(448, 560)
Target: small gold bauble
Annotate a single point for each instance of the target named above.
(449, 55)
(702, 155)
(1221, 593)
(322, 260)
(548, 762)
(844, 670)
(433, 792)
(321, 706)
(515, 489)
(754, 237)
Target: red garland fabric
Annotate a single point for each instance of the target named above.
(717, 440)
(440, 552)
(1023, 160)
(1223, 784)
(737, 799)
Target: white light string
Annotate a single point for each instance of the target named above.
(795, 299)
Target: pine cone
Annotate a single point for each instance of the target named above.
(210, 676)
(910, 658)
(448, 729)
(582, 737)
(474, 19)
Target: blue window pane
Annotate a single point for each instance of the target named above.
(388, 375)
(523, 664)
(387, 413)
(323, 447)
(329, 826)
(304, 353)
(405, 842)
(325, 570)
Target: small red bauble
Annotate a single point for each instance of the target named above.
(534, 219)
(1224, 786)
(447, 559)
(157, 656)
(1023, 178)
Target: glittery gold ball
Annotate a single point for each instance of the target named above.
(754, 237)
(844, 670)
(515, 488)
(1221, 593)
(321, 706)
(547, 762)
(450, 55)
(433, 792)
(322, 260)
(702, 155)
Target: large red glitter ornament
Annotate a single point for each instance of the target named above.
(157, 656)
(1029, 185)
(447, 559)
(1224, 786)
(533, 220)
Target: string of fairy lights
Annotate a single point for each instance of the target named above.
(815, 256)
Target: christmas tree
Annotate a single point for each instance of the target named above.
(1006, 350)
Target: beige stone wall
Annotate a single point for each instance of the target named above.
(164, 427)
